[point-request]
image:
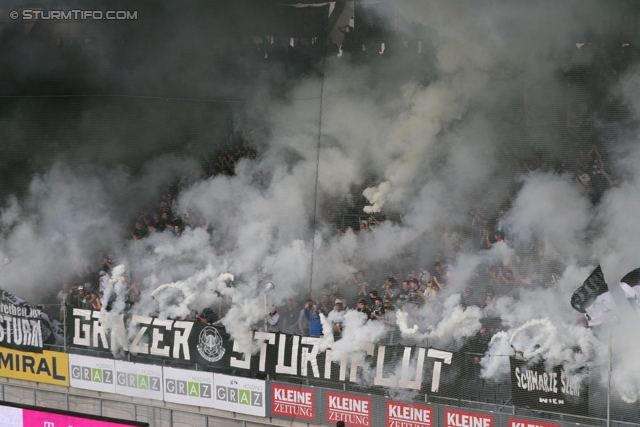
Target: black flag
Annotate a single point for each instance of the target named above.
(594, 299)
(586, 294)
(630, 284)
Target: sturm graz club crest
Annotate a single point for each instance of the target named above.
(210, 344)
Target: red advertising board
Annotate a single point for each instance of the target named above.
(515, 422)
(407, 415)
(292, 402)
(355, 411)
(453, 418)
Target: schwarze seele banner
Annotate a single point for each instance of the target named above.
(555, 390)
(429, 370)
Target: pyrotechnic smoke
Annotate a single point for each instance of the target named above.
(405, 330)
(457, 323)
(425, 149)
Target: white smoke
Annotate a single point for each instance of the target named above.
(430, 151)
(457, 323)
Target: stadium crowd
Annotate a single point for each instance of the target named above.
(414, 281)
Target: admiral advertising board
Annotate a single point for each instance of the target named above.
(408, 415)
(428, 370)
(239, 394)
(188, 387)
(48, 367)
(355, 411)
(292, 402)
(533, 386)
(138, 380)
(92, 373)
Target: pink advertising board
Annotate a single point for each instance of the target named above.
(46, 419)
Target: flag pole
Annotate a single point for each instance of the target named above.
(609, 380)
(615, 320)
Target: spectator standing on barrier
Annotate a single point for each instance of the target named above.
(390, 320)
(81, 299)
(63, 297)
(272, 318)
(337, 317)
(313, 316)
(303, 320)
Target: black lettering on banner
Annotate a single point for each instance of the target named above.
(21, 325)
(6, 361)
(425, 370)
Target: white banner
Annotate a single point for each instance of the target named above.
(138, 380)
(92, 373)
(239, 394)
(188, 387)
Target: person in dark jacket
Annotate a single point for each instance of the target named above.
(207, 316)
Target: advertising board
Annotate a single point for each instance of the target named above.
(353, 410)
(239, 394)
(139, 380)
(188, 387)
(292, 402)
(92, 373)
(48, 367)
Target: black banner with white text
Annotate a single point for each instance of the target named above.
(535, 387)
(427, 370)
